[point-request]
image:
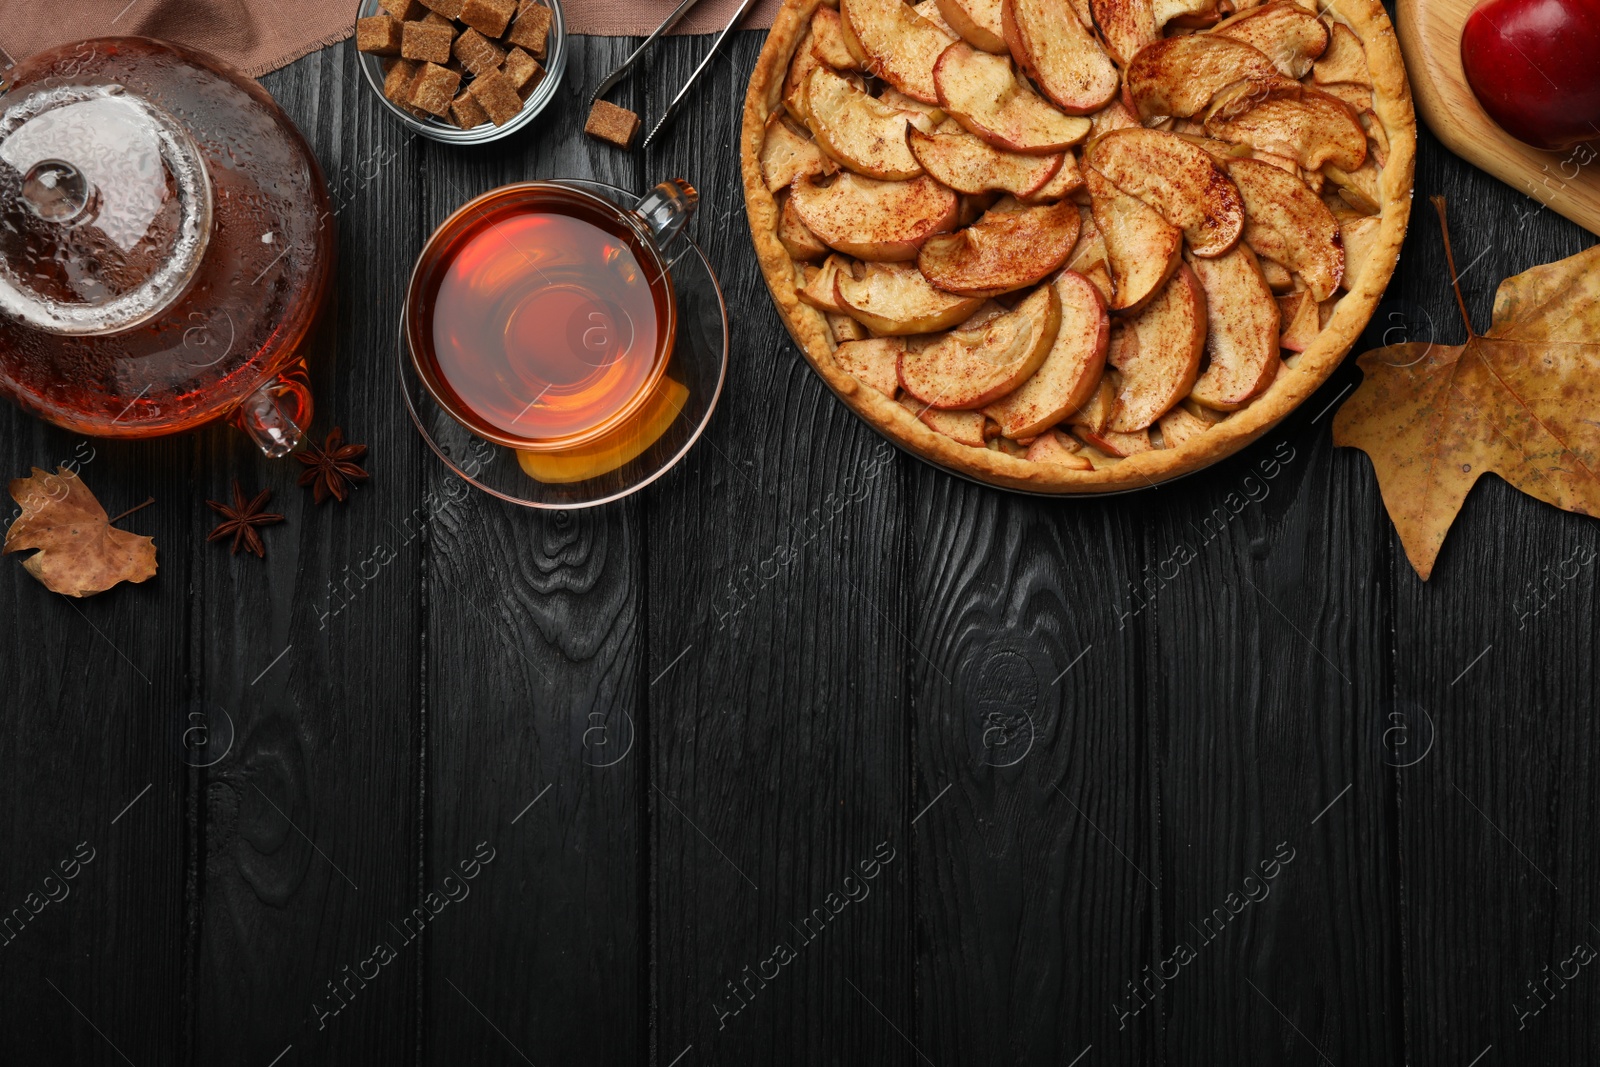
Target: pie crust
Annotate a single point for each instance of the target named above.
(1299, 376)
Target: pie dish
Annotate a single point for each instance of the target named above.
(1077, 246)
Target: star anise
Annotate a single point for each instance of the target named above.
(331, 469)
(242, 519)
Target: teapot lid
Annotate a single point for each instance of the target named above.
(105, 208)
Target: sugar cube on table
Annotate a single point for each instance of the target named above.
(450, 9)
(405, 10)
(611, 123)
(378, 34)
(531, 29)
(477, 53)
(498, 96)
(433, 88)
(488, 17)
(426, 43)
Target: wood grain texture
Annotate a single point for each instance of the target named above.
(1037, 871)
(310, 821)
(1265, 618)
(776, 698)
(92, 689)
(533, 675)
(1430, 37)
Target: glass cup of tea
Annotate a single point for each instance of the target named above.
(542, 317)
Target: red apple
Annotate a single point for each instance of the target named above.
(1534, 65)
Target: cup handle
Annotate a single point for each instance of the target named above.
(666, 208)
(276, 414)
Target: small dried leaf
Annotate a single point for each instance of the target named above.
(80, 552)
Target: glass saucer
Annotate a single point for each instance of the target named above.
(699, 363)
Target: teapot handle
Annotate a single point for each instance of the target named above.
(276, 414)
(666, 208)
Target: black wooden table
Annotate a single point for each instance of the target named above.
(742, 772)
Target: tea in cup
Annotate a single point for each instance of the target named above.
(542, 318)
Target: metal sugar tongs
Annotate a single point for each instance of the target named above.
(670, 21)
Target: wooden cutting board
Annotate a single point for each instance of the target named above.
(1430, 37)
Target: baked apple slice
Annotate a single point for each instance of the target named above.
(972, 165)
(1241, 331)
(1177, 178)
(1142, 248)
(1009, 248)
(1126, 26)
(1180, 425)
(1071, 369)
(1288, 119)
(1178, 76)
(1095, 413)
(1360, 238)
(872, 219)
(1297, 316)
(1067, 180)
(857, 131)
(930, 115)
(966, 369)
(984, 94)
(1286, 222)
(844, 328)
(1158, 353)
(874, 362)
(1091, 246)
(1060, 54)
(1345, 60)
(1283, 31)
(787, 153)
(964, 427)
(1060, 449)
(895, 299)
(1190, 13)
(976, 21)
(894, 43)
(827, 40)
(818, 290)
(1115, 444)
(796, 238)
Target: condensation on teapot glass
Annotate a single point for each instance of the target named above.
(105, 209)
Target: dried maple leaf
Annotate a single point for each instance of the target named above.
(1521, 401)
(80, 552)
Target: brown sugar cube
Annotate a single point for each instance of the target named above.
(477, 53)
(425, 43)
(522, 69)
(379, 35)
(405, 10)
(433, 88)
(397, 80)
(433, 18)
(466, 112)
(450, 9)
(531, 29)
(612, 123)
(488, 16)
(497, 96)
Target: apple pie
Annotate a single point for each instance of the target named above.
(1077, 246)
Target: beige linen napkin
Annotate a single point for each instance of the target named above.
(261, 35)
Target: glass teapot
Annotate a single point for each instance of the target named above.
(166, 245)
